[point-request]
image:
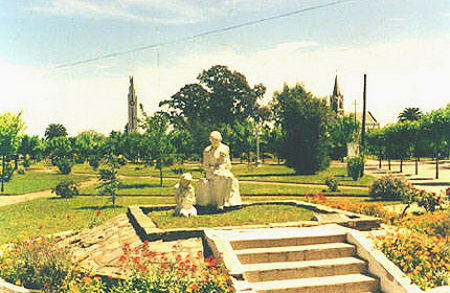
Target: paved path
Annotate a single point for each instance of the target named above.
(13, 199)
(423, 180)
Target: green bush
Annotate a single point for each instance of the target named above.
(26, 162)
(64, 165)
(355, 167)
(332, 183)
(36, 264)
(389, 187)
(94, 161)
(66, 189)
(21, 171)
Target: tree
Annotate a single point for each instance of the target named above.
(436, 129)
(410, 114)
(342, 131)
(109, 182)
(219, 99)
(159, 150)
(30, 147)
(11, 127)
(87, 145)
(55, 130)
(305, 120)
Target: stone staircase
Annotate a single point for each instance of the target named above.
(313, 260)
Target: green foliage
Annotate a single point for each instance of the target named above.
(305, 120)
(430, 201)
(355, 167)
(342, 131)
(94, 161)
(109, 183)
(7, 171)
(54, 130)
(410, 114)
(11, 127)
(389, 187)
(332, 183)
(66, 189)
(36, 264)
(64, 165)
(21, 171)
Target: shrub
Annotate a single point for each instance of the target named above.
(36, 264)
(94, 161)
(355, 167)
(66, 189)
(429, 200)
(370, 209)
(21, 171)
(171, 273)
(26, 162)
(425, 259)
(64, 165)
(8, 172)
(389, 187)
(332, 184)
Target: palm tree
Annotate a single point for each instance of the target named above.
(55, 130)
(410, 114)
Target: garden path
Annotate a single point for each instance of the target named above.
(14, 199)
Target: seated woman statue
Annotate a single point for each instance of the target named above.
(185, 197)
(220, 188)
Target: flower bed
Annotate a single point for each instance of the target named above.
(423, 258)
(37, 264)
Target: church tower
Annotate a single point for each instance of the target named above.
(337, 99)
(132, 125)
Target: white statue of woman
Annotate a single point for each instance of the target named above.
(185, 197)
(220, 188)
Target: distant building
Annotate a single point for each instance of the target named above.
(337, 99)
(337, 104)
(132, 124)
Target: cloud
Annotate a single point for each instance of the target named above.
(400, 74)
(153, 11)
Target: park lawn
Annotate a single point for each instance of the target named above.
(264, 214)
(37, 181)
(51, 215)
(151, 186)
(267, 173)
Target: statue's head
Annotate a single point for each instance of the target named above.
(215, 138)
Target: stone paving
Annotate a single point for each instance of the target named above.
(99, 249)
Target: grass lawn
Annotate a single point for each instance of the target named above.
(51, 215)
(27, 219)
(264, 214)
(37, 181)
(150, 186)
(271, 173)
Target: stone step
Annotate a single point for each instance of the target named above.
(353, 283)
(303, 269)
(295, 253)
(283, 241)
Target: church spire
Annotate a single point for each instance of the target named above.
(336, 90)
(337, 99)
(132, 124)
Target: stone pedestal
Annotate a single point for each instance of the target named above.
(219, 192)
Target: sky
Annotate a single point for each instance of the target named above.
(402, 46)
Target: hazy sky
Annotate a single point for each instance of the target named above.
(403, 46)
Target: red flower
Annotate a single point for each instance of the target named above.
(46, 284)
(99, 212)
(68, 217)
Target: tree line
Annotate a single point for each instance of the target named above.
(296, 127)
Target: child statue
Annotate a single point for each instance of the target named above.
(185, 197)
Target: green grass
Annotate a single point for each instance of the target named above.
(263, 214)
(51, 215)
(37, 181)
(150, 186)
(267, 173)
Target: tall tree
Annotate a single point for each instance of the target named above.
(160, 151)
(55, 130)
(410, 114)
(343, 131)
(219, 99)
(11, 127)
(305, 120)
